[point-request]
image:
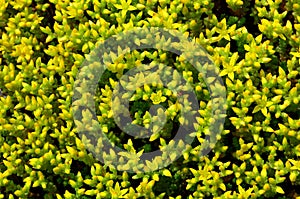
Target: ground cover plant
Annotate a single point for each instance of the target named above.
(254, 44)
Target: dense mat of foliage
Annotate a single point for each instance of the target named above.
(255, 44)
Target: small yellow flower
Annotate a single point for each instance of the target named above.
(157, 97)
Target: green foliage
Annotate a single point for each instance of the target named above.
(254, 44)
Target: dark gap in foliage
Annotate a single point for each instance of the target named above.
(27, 112)
(232, 147)
(289, 16)
(8, 59)
(104, 80)
(268, 138)
(200, 27)
(223, 42)
(231, 140)
(240, 22)
(171, 56)
(258, 116)
(294, 81)
(264, 155)
(220, 9)
(16, 179)
(275, 121)
(61, 122)
(116, 135)
(134, 182)
(36, 192)
(288, 152)
(48, 15)
(77, 50)
(167, 132)
(53, 141)
(57, 77)
(55, 103)
(10, 138)
(291, 189)
(1, 57)
(61, 185)
(49, 21)
(146, 60)
(74, 24)
(46, 58)
(68, 187)
(238, 46)
(283, 65)
(154, 8)
(195, 142)
(79, 166)
(290, 110)
(282, 48)
(89, 18)
(228, 181)
(282, 8)
(12, 12)
(5, 192)
(171, 187)
(272, 66)
(234, 46)
(251, 24)
(9, 113)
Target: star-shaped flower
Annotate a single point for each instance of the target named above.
(157, 97)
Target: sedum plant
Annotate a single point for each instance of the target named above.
(253, 44)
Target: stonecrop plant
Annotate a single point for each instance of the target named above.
(255, 46)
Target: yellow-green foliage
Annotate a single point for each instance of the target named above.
(255, 44)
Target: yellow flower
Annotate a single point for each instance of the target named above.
(157, 97)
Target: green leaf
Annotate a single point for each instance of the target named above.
(222, 186)
(167, 173)
(154, 136)
(155, 177)
(279, 190)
